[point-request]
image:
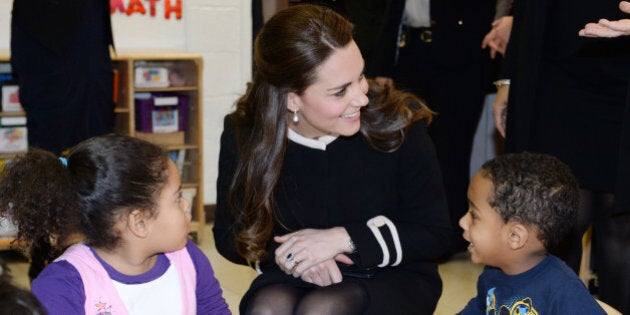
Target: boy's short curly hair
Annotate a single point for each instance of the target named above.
(537, 190)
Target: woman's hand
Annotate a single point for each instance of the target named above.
(607, 28)
(325, 273)
(302, 250)
(322, 274)
(500, 108)
(499, 36)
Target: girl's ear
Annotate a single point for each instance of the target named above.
(136, 223)
(294, 102)
(518, 235)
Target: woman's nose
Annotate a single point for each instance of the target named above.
(361, 98)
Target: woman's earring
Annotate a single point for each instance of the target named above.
(296, 119)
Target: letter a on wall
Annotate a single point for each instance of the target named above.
(139, 7)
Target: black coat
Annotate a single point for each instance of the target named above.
(458, 27)
(61, 57)
(568, 95)
(52, 23)
(346, 185)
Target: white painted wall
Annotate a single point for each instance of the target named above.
(219, 30)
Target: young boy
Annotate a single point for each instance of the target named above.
(520, 207)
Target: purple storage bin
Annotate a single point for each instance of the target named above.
(157, 112)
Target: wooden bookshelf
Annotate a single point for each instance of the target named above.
(188, 67)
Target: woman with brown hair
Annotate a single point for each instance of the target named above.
(331, 192)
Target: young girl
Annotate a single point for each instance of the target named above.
(123, 197)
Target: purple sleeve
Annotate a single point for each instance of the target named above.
(60, 289)
(209, 294)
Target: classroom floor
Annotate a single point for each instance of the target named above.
(459, 276)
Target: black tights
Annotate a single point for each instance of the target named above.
(611, 245)
(279, 299)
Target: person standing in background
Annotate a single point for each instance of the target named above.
(60, 53)
(431, 48)
(567, 96)
(488, 143)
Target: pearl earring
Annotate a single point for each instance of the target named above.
(296, 119)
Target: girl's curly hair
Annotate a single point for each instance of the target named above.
(104, 178)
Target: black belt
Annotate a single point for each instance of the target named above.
(412, 33)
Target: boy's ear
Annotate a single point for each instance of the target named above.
(518, 235)
(294, 103)
(136, 223)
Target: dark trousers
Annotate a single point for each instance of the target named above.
(611, 247)
(67, 97)
(455, 90)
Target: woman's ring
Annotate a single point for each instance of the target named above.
(290, 257)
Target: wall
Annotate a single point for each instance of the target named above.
(219, 30)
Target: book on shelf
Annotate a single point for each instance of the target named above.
(13, 134)
(11, 98)
(116, 86)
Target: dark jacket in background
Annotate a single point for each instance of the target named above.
(568, 93)
(53, 23)
(61, 57)
(458, 28)
(450, 74)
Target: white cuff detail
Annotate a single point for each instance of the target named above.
(374, 224)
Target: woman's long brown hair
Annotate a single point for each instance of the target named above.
(287, 52)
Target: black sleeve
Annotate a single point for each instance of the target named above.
(421, 219)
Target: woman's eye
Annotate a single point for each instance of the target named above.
(341, 92)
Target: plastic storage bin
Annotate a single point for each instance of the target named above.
(161, 112)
